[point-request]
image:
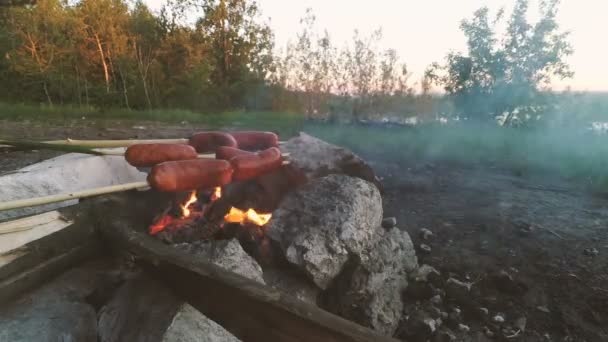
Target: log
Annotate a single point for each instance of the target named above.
(249, 310)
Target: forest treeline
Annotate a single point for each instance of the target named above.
(214, 55)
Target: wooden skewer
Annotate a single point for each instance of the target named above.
(200, 156)
(118, 143)
(30, 202)
(115, 143)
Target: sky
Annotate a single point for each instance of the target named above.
(424, 31)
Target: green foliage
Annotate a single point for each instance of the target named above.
(108, 54)
(506, 76)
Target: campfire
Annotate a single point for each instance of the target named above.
(195, 210)
(262, 244)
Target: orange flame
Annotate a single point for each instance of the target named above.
(238, 216)
(185, 209)
(216, 194)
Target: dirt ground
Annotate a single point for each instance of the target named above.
(534, 248)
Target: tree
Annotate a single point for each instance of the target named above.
(239, 46)
(505, 77)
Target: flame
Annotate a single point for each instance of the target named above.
(185, 209)
(238, 216)
(216, 194)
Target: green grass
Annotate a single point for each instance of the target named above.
(282, 122)
(567, 153)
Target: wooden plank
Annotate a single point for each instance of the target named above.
(29, 222)
(249, 310)
(46, 247)
(18, 233)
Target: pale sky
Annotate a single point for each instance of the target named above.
(423, 31)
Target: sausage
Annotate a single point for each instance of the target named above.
(255, 141)
(253, 165)
(142, 155)
(185, 175)
(227, 152)
(210, 141)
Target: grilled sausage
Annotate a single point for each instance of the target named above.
(227, 152)
(255, 141)
(188, 175)
(142, 155)
(253, 165)
(210, 141)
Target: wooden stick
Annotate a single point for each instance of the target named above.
(200, 156)
(46, 146)
(115, 143)
(74, 195)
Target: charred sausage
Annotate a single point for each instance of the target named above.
(187, 175)
(142, 155)
(210, 141)
(253, 165)
(227, 152)
(255, 141)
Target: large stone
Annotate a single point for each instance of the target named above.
(318, 158)
(189, 325)
(59, 310)
(327, 222)
(67, 173)
(145, 310)
(295, 285)
(227, 254)
(370, 292)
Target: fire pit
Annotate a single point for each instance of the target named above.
(311, 230)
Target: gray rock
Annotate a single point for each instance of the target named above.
(498, 318)
(371, 293)
(426, 273)
(464, 328)
(389, 222)
(507, 284)
(457, 290)
(325, 223)
(425, 248)
(50, 323)
(543, 308)
(436, 299)
(418, 327)
(591, 251)
(189, 325)
(520, 323)
(295, 285)
(444, 336)
(227, 254)
(317, 158)
(426, 234)
(57, 311)
(144, 310)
